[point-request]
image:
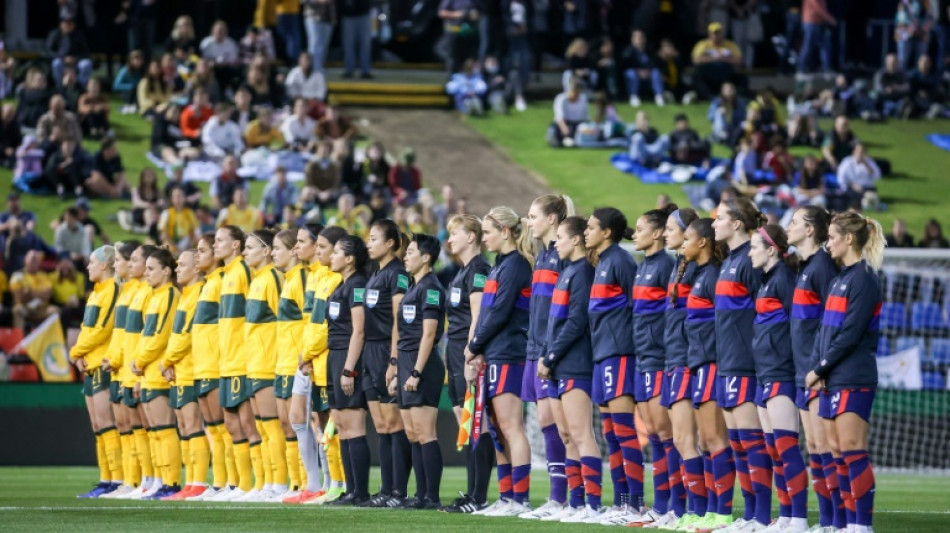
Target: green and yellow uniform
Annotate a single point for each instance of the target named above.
(130, 463)
(204, 336)
(134, 324)
(231, 336)
(97, 325)
(178, 354)
(159, 315)
(290, 329)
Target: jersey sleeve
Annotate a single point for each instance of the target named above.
(432, 303)
(477, 276)
(398, 283)
(179, 344)
(576, 325)
(862, 304)
(97, 324)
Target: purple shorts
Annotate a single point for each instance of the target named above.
(704, 384)
(676, 386)
(767, 391)
(804, 396)
(736, 390)
(534, 388)
(649, 385)
(567, 385)
(613, 377)
(857, 401)
(504, 378)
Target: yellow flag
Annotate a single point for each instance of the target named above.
(46, 346)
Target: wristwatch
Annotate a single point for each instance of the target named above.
(393, 361)
(350, 373)
(415, 373)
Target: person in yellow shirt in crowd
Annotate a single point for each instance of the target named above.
(350, 218)
(69, 292)
(245, 217)
(159, 315)
(716, 61)
(177, 367)
(87, 354)
(178, 225)
(261, 132)
(32, 292)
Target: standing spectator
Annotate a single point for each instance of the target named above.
(141, 15)
(491, 28)
(261, 132)
(32, 292)
(933, 236)
(405, 179)
(67, 169)
(319, 19)
(182, 36)
(58, 117)
(816, 38)
(913, 22)
(647, 146)
(570, 110)
(746, 26)
(240, 214)
(222, 188)
(220, 136)
(840, 143)
(10, 137)
(459, 19)
(898, 237)
(351, 170)
(126, 82)
(288, 26)
(500, 90)
(892, 87)
(278, 194)
(716, 60)
(94, 111)
(69, 292)
(639, 65)
(517, 16)
(178, 225)
(357, 37)
(7, 65)
(335, 125)
(32, 98)
(107, 179)
(606, 70)
(194, 117)
(152, 92)
(468, 89)
(857, 176)
(70, 238)
(671, 69)
(926, 91)
(67, 47)
(299, 129)
(305, 81)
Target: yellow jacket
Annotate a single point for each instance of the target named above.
(232, 358)
(179, 351)
(117, 342)
(134, 324)
(260, 327)
(315, 344)
(204, 338)
(291, 322)
(97, 324)
(159, 315)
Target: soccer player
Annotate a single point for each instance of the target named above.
(611, 322)
(178, 368)
(567, 361)
(775, 373)
(808, 232)
(384, 292)
(735, 313)
(499, 343)
(420, 371)
(846, 371)
(260, 336)
(544, 215)
(159, 315)
(710, 479)
(97, 326)
(465, 301)
(650, 299)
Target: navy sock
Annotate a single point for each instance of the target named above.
(556, 456)
(347, 465)
(359, 458)
(484, 459)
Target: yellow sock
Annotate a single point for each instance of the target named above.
(113, 451)
(277, 443)
(201, 456)
(134, 477)
(334, 459)
(292, 454)
(186, 458)
(218, 469)
(125, 443)
(171, 448)
(266, 463)
(143, 451)
(257, 463)
(230, 459)
(155, 453)
(105, 474)
(242, 462)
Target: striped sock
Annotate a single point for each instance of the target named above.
(781, 489)
(742, 472)
(862, 485)
(615, 458)
(661, 476)
(592, 471)
(712, 498)
(521, 483)
(575, 482)
(626, 430)
(674, 464)
(844, 487)
(840, 519)
(505, 489)
(760, 472)
(555, 454)
(696, 495)
(724, 479)
(826, 509)
(796, 480)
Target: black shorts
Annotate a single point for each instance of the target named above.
(338, 399)
(430, 385)
(283, 387)
(455, 364)
(375, 359)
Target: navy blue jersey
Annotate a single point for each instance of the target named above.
(650, 300)
(850, 329)
(674, 337)
(811, 291)
(386, 282)
(351, 293)
(771, 342)
(567, 338)
(609, 310)
(470, 279)
(735, 312)
(501, 333)
(547, 267)
(424, 301)
(701, 316)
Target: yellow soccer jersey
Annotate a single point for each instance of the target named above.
(290, 320)
(98, 323)
(204, 331)
(315, 348)
(117, 342)
(134, 324)
(260, 327)
(179, 351)
(159, 315)
(231, 312)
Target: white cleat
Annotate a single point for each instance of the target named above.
(646, 518)
(230, 496)
(500, 502)
(279, 498)
(606, 513)
(205, 495)
(549, 508)
(584, 515)
(621, 518)
(635, 101)
(252, 496)
(118, 493)
(662, 522)
(779, 525)
(513, 508)
(566, 512)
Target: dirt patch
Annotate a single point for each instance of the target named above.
(448, 151)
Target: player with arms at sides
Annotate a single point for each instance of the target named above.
(735, 313)
(650, 298)
(177, 366)
(499, 342)
(159, 316)
(775, 373)
(311, 382)
(808, 232)
(97, 326)
(465, 300)
(611, 323)
(845, 370)
(384, 292)
(260, 337)
(567, 362)
(420, 371)
(710, 479)
(346, 319)
(544, 215)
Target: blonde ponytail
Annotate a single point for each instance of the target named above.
(873, 250)
(869, 240)
(504, 217)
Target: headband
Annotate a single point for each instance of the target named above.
(679, 219)
(264, 244)
(765, 235)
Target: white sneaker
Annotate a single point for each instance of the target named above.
(119, 492)
(646, 518)
(621, 519)
(662, 521)
(689, 97)
(513, 508)
(779, 525)
(566, 512)
(584, 515)
(635, 101)
(607, 514)
(280, 497)
(659, 101)
(253, 495)
(500, 502)
(204, 496)
(549, 508)
(520, 104)
(231, 495)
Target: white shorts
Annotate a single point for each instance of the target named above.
(302, 384)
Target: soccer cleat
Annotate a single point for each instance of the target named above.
(584, 515)
(253, 496)
(463, 504)
(728, 527)
(410, 504)
(566, 512)
(607, 513)
(663, 520)
(712, 522)
(178, 495)
(156, 487)
(779, 525)
(380, 499)
(500, 502)
(118, 493)
(346, 500)
(684, 523)
(549, 508)
(286, 495)
(646, 518)
(98, 490)
(303, 496)
(329, 496)
(232, 495)
(513, 508)
(205, 495)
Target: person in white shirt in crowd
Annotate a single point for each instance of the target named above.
(305, 81)
(221, 136)
(570, 110)
(71, 237)
(857, 176)
(219, 47)
(299, 129)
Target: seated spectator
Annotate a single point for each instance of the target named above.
(10, 137)
(70, 89)
(467, 89)
(898, 237)
(771, 111)
(671, 69)
(349, 218)
(335, 125)
(580, 66)
(892, 87)
(803, 130)
(126, 82)
(194, 117)
(153, 91)
(15, 212)
(240, 214)
(570, 111)
(178, 225)
(222, 53)
(727, 112)
(32, 98)
(779, 161)
(257, 42)
(244, 111)
(305, 81)
(19, 243)
(933, 234)
(839, 143)
(203, 78)
(376, 169)
(68, 168)
(639, 65)
(28, 174)
(927, 94)
(69, 292)
(146, 205)
(7, 68)
(32, 292)
(206, 221)
(322, 177)
(257, 81)
(183, 36)
(686, 146)
(261, 132)
(811, 183)
(94, 110)
(278, 194)
(67, 47)
(58, 116)
(167, 141)
(220, 136)
(177, 71)
(222, 188)
(193, 194)
(107, 179)
(500, 93)
(716, 60)
(299, 129)
(405, 179)
(647, 146)
(857, 176)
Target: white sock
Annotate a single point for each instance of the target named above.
(307, 442)
(324, 465)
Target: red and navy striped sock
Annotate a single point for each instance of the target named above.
(505, 488)
(724, 479)
(778, 468)
(615, 458)
(696, 495)
(575, 483)
(840, 519)
(674, 464)
(742, 471)
(555, 454)
(796, 480)
(760, 472)
(626, 430)
(521, 482)
(844, 487)
(826, 509)
(862, 485)
(661, 476)
(712, 499)
(592, 472)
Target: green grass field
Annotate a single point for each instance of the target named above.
(43, 499)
